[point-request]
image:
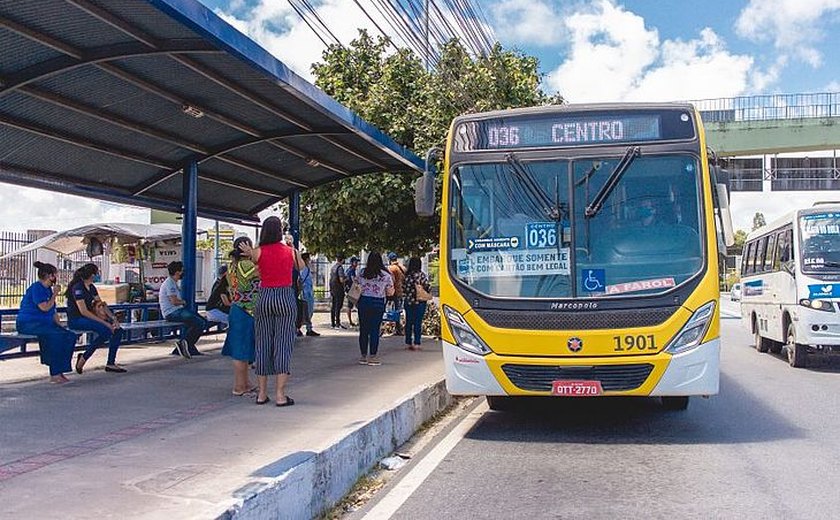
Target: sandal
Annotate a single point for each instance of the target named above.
(80, 363)
(289, 402)
(262, 402)
(248, 392)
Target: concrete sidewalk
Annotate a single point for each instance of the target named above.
(168, 440)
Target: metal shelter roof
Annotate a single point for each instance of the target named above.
(112, 98)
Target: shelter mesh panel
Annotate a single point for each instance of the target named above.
(63, 21)
(54, 157)
(19, 52)
(146, 17)
(68, 122)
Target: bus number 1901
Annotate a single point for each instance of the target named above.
(628, 343)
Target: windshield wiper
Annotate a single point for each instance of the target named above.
(612, 181)
(532, 186)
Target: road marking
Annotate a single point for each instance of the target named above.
(397, 496)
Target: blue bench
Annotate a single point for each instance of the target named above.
(141, 330)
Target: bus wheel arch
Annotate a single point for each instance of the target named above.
(797, 353)
(761, 343)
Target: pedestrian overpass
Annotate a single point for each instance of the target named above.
(776, 124)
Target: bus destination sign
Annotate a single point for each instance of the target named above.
(565, 130)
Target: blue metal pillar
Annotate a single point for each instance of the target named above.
(294, 217)
(189, 229)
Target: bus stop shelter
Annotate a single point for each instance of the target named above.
(162, 104)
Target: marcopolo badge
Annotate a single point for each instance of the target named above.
(575, 344)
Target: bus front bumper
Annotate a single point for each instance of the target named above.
(695, 372)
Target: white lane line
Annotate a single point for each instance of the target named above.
(395, 498)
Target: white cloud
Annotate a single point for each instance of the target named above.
(528, 22)
(281, 31)
(792, 25)
(29, 208)
(614, 57)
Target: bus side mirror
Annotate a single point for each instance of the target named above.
(424, 188)
(424, 195)
(725, 216)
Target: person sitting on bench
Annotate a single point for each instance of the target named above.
(174, 309)
(37, 317)
(218, 304)
(86, 311)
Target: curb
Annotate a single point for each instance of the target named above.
(316, 481)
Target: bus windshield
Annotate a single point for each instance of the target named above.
(514, 232)
(820, 234)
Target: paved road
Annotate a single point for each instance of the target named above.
(768, 446)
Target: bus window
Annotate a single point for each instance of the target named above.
(761, 247)
(750, 258)
(768, 255)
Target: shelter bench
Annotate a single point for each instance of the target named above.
(140, 330)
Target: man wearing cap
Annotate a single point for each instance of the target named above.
(218, 304)
(398, 274)
(351, 275)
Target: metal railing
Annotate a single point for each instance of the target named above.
(17, 273)
(769, 107)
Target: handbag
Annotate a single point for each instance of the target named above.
(422, 294)
(355, 291)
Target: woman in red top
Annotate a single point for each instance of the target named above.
(276, 309)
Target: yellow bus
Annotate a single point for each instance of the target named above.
(579, 253)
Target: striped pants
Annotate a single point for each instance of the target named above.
(274, 327)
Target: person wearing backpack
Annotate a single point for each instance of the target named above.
(398, 274)
(337, 281)
(415, 302)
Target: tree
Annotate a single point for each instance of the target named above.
(758, 220)
(738, 247)
(393, 91)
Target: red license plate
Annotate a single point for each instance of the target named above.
(576, 388)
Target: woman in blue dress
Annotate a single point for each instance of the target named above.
(37, 317)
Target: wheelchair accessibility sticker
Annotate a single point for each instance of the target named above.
(593, 280)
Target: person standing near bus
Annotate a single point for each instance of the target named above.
(276, 310)
(87, 311)
(352, 273)
(415, 307)
(37, 317)
(398, 273)
(307, 294)
(337, 280)
(377, 284)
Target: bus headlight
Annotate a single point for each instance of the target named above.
(465, 336)
(693, 332)
(818, 305)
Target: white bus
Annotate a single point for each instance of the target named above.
(790, 284)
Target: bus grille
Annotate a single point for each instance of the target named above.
(576, 320)
(538, 378)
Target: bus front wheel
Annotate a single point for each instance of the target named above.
(761, 344)
(797, 353)
(499, 403)
(676, 402)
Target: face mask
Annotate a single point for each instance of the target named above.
(646, 212)
(97, 278)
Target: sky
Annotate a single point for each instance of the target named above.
(589, 50)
